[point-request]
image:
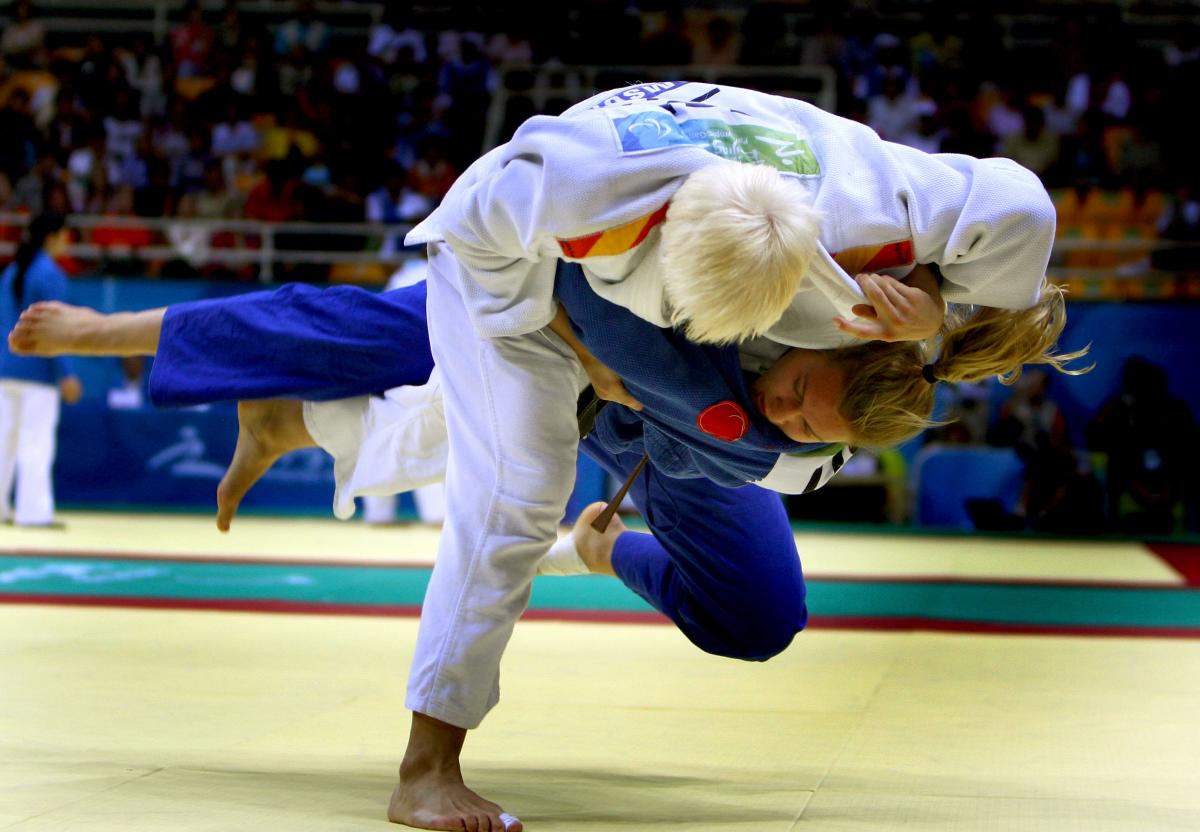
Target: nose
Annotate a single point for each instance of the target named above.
(783, 409)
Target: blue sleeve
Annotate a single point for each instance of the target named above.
(52, 284)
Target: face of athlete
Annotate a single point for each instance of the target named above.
(800, 395)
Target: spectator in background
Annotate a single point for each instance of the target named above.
(1003, 118)
(669, 44)
(289, 134)
(244, 77)
(67, 127)
(1101, 88)
(230, 33)
(431, 174)
(24, 40)
(123, 129)
(892, 112)
(1150, 440)
(122, 241)
(87, 176)
(144, 74)
(304, 36)
(234, 135)
(937, 48)
(394, 34)
(278, 197)
(966, 414)
(465, 88)
(394, 202)
(1082, 160)
(1140, 158)
(154, 197)
(94, 75)
(1181, 223)
(29, 192)
(720, 44)
(214, 200)
(1059, 493)
(18, 136)
(1035, 146)
(31, 389)
(192, 43)
(927, 133)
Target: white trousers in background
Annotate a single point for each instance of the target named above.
(28, 430)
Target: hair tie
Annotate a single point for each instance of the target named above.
(927, 374)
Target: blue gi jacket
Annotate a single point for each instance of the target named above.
(677, 381)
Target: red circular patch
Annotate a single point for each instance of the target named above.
(725, 420)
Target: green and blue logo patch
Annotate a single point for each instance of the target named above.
(753, 143)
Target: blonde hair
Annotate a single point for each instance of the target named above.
(736, 242)
(888, 398)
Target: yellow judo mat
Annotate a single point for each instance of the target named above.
(156, 718)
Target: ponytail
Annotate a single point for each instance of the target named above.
(36, 233)
(889, 388)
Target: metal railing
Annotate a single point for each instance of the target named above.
(155, 17)
(266, 245)
(229, 242)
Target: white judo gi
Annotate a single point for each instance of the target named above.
(592, 186)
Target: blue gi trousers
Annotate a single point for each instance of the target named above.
(721, 563)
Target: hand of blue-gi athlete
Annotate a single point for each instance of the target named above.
(908, 310)
(605, 382)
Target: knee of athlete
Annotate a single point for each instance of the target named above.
(763, 634)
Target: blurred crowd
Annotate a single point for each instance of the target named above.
(1131, 473)
(237, 116)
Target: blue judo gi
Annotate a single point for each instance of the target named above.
(721, 560)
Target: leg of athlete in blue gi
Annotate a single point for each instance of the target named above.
(295, 342)
(721, 562)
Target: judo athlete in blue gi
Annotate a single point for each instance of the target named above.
(32, 389)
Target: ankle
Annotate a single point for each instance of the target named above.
(422, 767)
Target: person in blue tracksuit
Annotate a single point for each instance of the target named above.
(31, 388)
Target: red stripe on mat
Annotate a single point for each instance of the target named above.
(904, 624)
(1182, 558)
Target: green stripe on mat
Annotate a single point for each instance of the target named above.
(1049, 605)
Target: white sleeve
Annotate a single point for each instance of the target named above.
(992, 243)
(507, 278)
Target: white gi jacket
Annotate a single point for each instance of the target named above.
(607, 165)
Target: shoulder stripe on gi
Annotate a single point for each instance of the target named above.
(873, 258)
(615, 240)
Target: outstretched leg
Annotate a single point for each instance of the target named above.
(53, 328)
(266, 431)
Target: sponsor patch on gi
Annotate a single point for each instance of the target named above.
(744, 141)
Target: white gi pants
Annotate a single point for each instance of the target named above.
(512, 442)
(28, 428)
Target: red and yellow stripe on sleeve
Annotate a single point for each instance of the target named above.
(613, 241)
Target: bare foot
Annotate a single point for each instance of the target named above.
(595, 548)
(440, 800)
(53, 328)
(266, 431)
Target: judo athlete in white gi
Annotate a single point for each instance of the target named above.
(592, 187)
(555, 192)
